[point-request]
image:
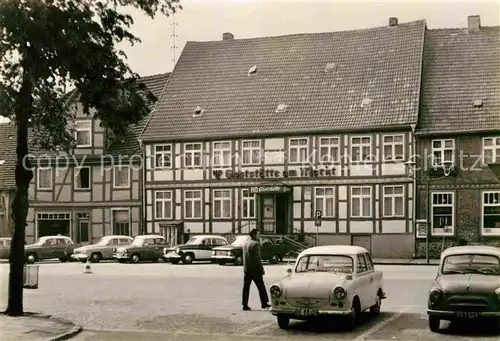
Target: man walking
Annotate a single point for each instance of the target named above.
(254, 271)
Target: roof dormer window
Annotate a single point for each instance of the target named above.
(252, 71)
(198, 112)
(330, 67)
(281, 108)
(478, 103)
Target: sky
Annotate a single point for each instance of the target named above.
(205, 20)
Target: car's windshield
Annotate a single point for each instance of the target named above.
(240, 240)
(471, 263)
(103, 241)
(40, 241)
(194, 240)
(138, 242)
(325, 263)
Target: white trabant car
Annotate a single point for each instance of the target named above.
(333, 280)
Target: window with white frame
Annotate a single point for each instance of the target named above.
(325, 201)
(443, 151)
(361, 148)
(491, 150)
(443, 213)
(393, 147)
(163, 205)
(163, 155)
(329, 149)
(298, 150)
(82, 177)
(251, 152)
(192, 154)
(121, 176)
(44, 178)
(192, 204)
(248, 204)
(393, 201)
(222, 203)
(491, 213)
(222, 154)
(361, 202)
(83, 133)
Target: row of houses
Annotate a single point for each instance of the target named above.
(384, 131)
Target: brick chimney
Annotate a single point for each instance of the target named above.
(227, 36)
(393, 21)
(474, 22)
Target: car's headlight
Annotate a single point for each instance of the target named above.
(435, 295)
(339, 293)
(213, 253)
(229, 253)
(177, 250)
(275, 291)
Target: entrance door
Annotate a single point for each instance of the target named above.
(268, 213)
(282, 213)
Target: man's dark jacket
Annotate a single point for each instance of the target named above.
(252, 262)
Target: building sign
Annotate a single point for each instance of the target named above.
(262, 173)
(269, 189)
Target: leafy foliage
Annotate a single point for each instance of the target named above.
(61, 44)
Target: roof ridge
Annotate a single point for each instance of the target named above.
(360, 30)
(460, 28)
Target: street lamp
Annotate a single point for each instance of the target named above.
(411, 165)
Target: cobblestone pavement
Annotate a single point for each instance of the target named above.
(203, 302)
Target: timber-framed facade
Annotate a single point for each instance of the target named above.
(241, 145)
(95, 191)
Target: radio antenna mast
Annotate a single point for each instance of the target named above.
(174, 36)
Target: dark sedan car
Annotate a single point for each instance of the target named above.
(143, 248)
(467, 286)
(48, 247)
(270, 250)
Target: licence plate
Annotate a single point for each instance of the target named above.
(307, 312)
(467, 315)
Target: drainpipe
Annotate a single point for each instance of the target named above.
(415, 189)
(144, 196)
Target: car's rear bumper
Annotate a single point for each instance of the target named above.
(79, 256)
(119, 256)
(453, 313)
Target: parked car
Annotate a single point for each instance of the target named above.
(48, 247)
(270, 250)
(102, 250)
(143, 248)
(4, 248)
(467, 286)
(197, 248)
(334, 280)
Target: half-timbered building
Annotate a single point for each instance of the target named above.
(97, 189)
(458, 138)
(7, 176)
(269, 132)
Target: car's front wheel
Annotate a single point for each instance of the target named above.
(135, 258)
(187, 258)
(434, 324)
(352, 319)
(95, 257)
(31, 258)
(283, 321)
(274, 259)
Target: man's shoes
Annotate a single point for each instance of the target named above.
(245, 307)
(265, 306)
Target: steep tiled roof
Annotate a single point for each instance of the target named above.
(460, 67)
(130, 143)
(7, 156)
(374, 81)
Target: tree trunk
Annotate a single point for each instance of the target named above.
(20, 204)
